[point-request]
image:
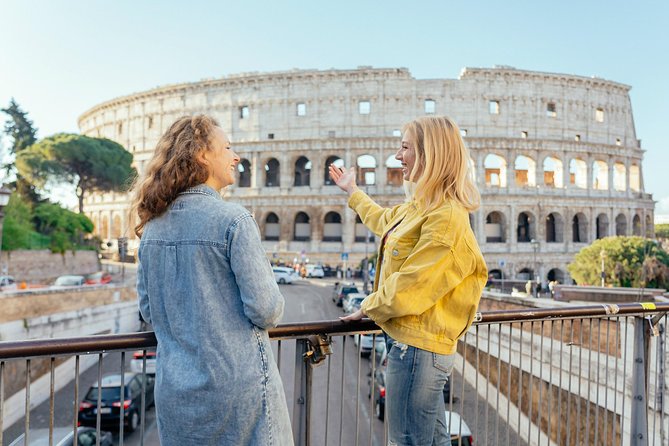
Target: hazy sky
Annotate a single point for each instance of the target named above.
(58, 58)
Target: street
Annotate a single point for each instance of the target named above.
(342, 412)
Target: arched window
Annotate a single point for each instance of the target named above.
(579, 228)
(636, 225)
(495, 228)
(495, 274)
(525, 274)
(554, 228)
(331, 160)
(553, 172)
(366, 170)
(272, 227)
(302, 172)
(556, 274)
(621, 225)
(619, 177)
(602, 226)
(578, 173)
(525, 230)
(525, 169)
(600, 175)
(394, 175)
(361, 231)
(244, 169)
(272, 173)
(495, 171)
(302, 230)
(635, 178)
(332, 228)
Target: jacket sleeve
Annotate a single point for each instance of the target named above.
(142, 291)
(373, 216)
(262, 301)
(429, 272)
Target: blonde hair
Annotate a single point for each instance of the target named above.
(442, 164)
(175, 167)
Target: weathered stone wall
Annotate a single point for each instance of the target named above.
(44, 266)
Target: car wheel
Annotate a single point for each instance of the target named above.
(281, 281)
(133, 422)
(379, 409)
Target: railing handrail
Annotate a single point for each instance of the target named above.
(144, 340)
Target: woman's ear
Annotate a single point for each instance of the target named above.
(202, 158)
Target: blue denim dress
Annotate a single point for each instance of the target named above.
(205, 285)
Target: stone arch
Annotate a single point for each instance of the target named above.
(366, 168)
(636, 225)
(602, 226)
(495, 170)
(554, 228)
(272, 227)
(600, 175)
(495, 274)
(394, 175)
(578, 173)
(495, 227)
(332, 228)
(619, 176)
(272, 173)
(556, 274)
(553, 172)
(621, 224)
(525, 274)
(579, 228)
(244, 169)
(526, 229)
(332, 159)
(302, 227)
(302, 172)
(525, 171)
(635, 178)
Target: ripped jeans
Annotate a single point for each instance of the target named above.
(415, 409)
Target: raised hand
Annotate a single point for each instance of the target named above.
(344, 178)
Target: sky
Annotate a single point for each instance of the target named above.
(58, 58)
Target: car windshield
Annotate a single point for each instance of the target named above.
(108, 394)
(348, 290)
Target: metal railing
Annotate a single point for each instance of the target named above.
(578, 375)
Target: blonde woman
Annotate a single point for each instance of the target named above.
(206, 286)
(431, 274)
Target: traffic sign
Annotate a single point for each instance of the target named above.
(344, 256)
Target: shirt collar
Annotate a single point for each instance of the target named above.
(202, 189)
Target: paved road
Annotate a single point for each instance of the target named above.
(340, 412)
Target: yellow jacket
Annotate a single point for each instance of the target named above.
(431, 276)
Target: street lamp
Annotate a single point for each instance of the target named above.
(535, 246)
(4, 199)
(602, 256)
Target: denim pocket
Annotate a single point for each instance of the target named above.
(443, 362)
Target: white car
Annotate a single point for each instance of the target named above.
(7, 283)
(66, 281)
(294, 274)
(460, 432)
(315, 271)
(352, 301)
(281, 276)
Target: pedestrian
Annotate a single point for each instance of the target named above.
(431, 274)
(207, 288)
(528, 288)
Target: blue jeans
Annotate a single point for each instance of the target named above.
(415, 409)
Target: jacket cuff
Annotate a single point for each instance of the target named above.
(356, 198)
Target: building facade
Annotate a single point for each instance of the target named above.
(555, 156)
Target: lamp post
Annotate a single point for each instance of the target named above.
(535, 246)
(4, 199)
(602, 256)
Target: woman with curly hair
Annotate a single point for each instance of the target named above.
(207, 288)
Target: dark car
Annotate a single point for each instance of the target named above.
(341, 290)
(110, 406)
(379, 392)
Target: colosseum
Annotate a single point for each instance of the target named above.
(556, 157)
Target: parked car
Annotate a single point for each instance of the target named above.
(368, 342)
(315, 271)
(137, 362)
(341, 290)
(351, 303)
(281, 276)
(7, 283)
(99, 278)
(64, 436)
(460, 432)
(65, 281)
(379, 392)
(110, 408)
(294, 274)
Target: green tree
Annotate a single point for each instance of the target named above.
(18, 229)
(91, 164)
(23, 135)
(628, 262)
(65, 228)
(662, 231)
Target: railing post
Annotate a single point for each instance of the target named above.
(639, 410)
(302, 390)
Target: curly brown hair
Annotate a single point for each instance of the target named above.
(175, 167)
